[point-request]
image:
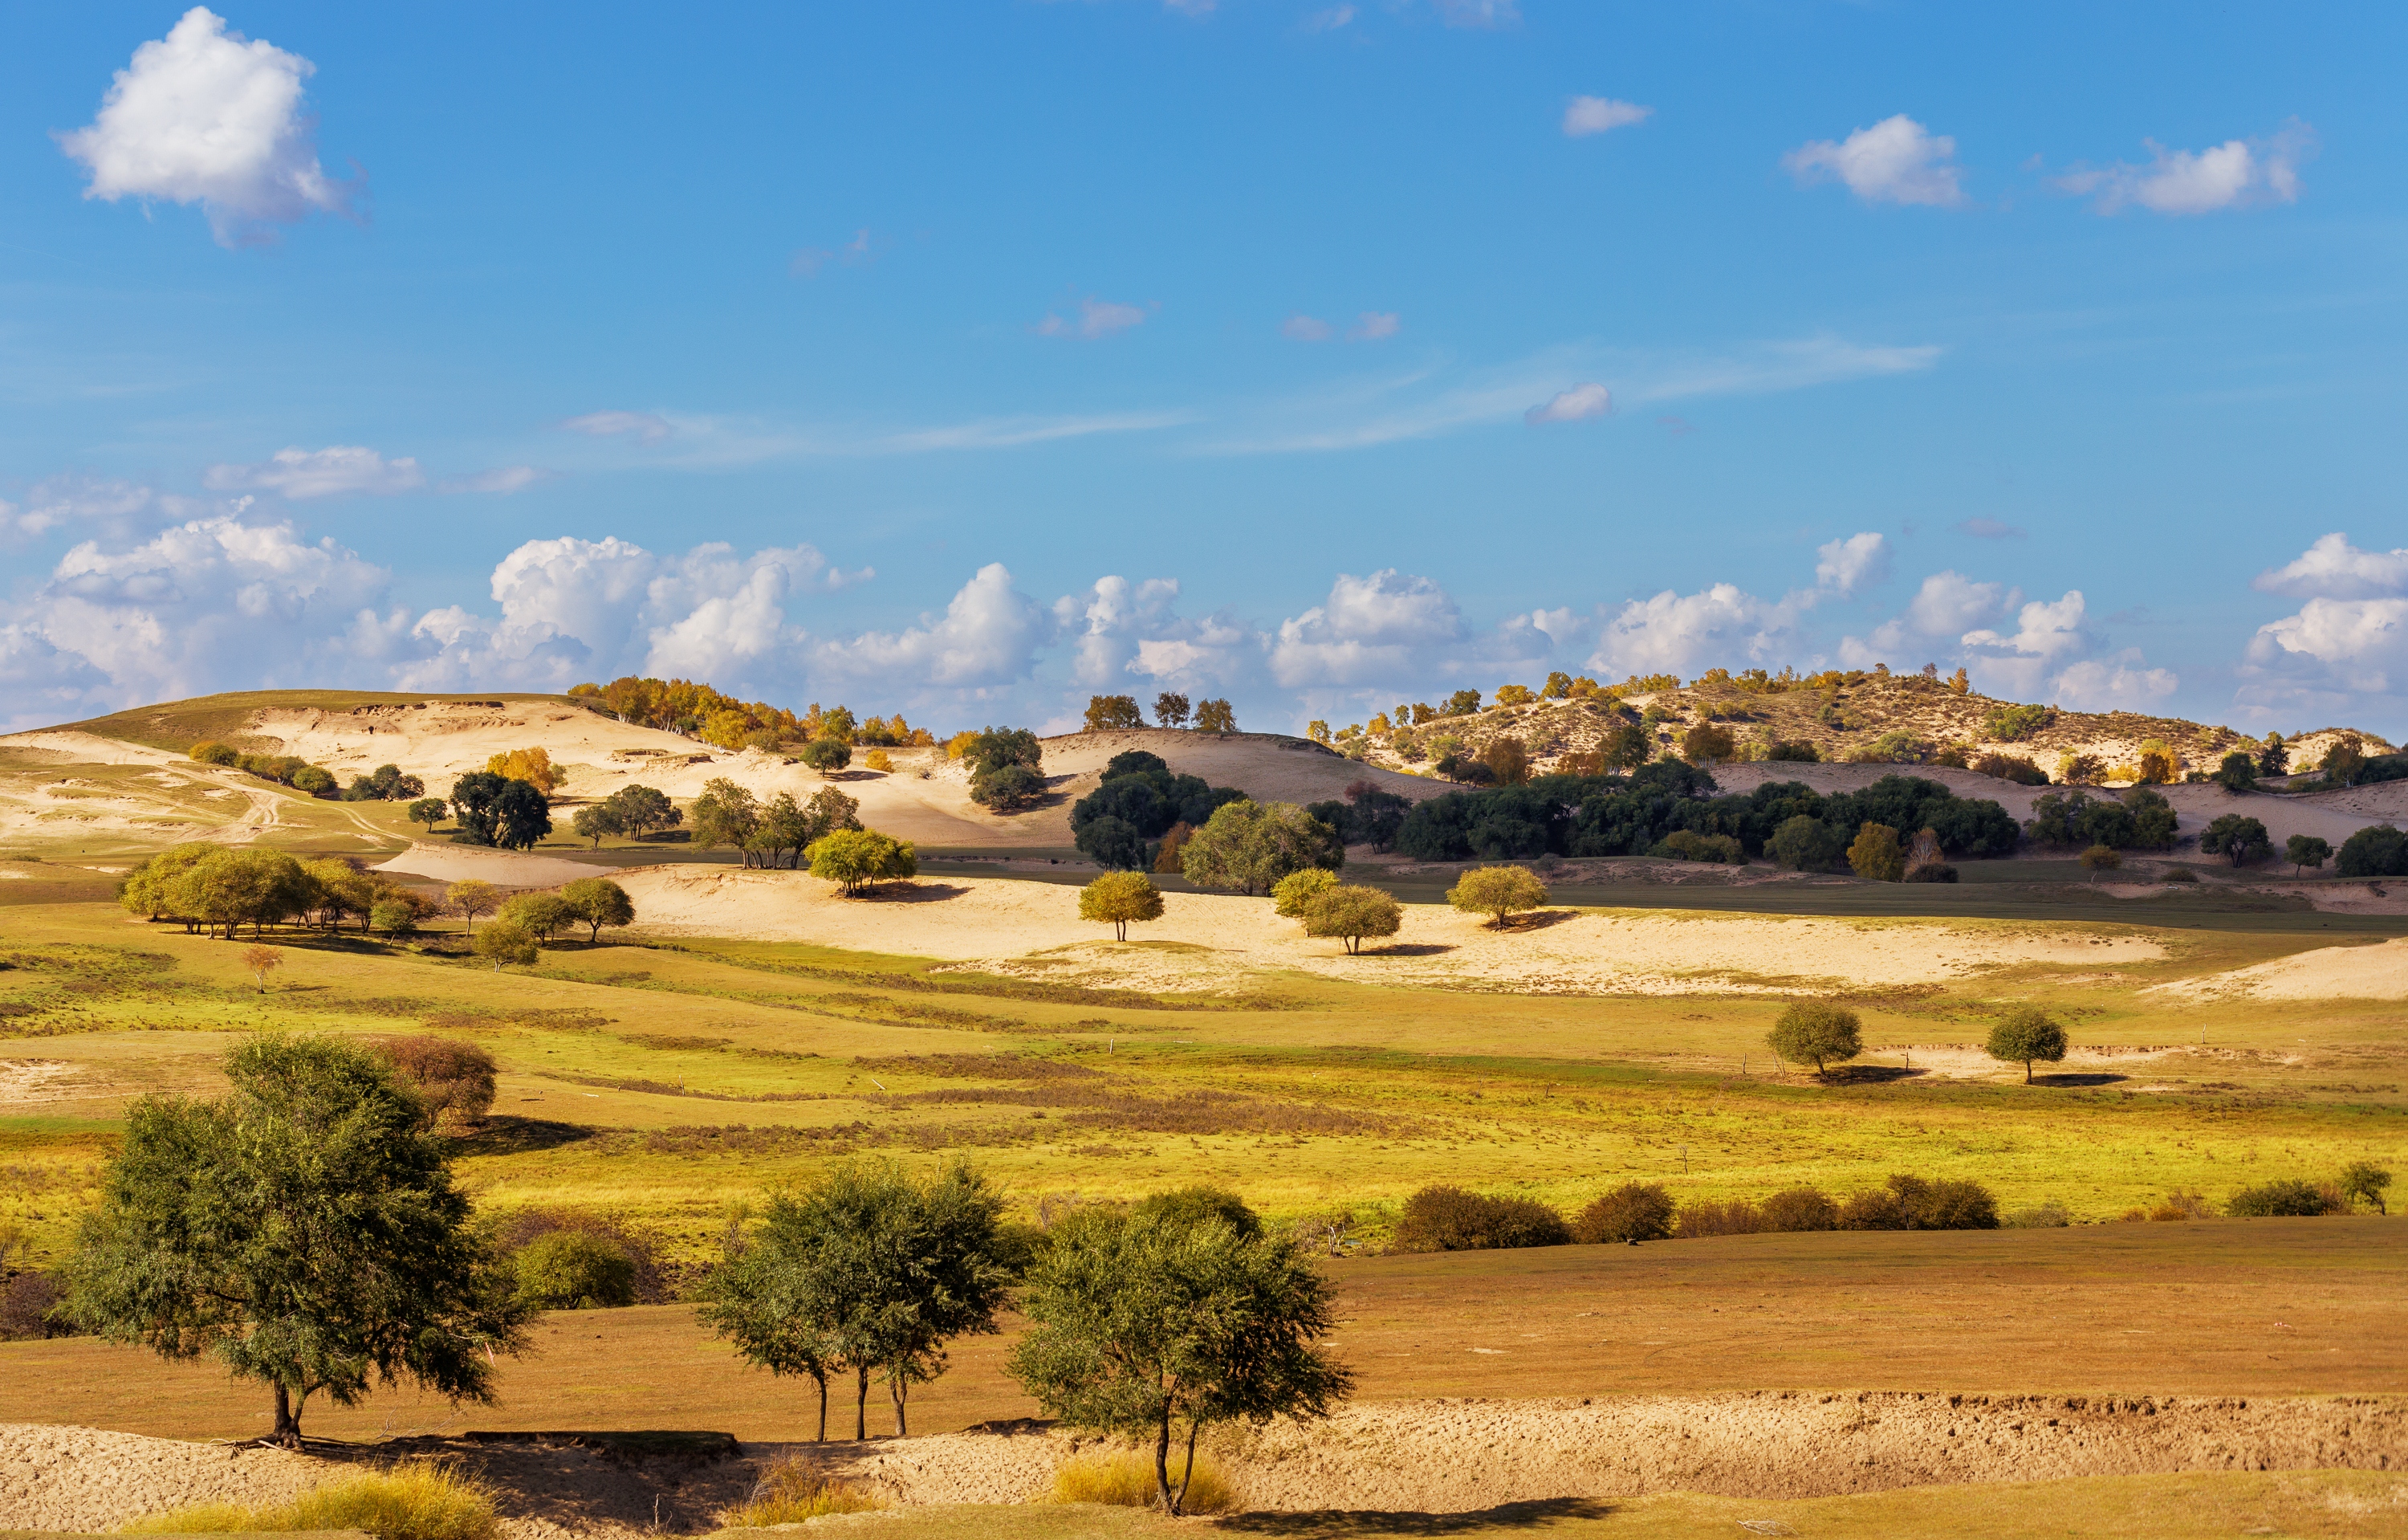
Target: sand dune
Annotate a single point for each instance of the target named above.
(2377, 971)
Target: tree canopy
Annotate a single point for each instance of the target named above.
(303, 1230)
(1352, 914)
(1816, 1032)
(1248, 846)
(2237, 838)
(2024, 1035)
(857, 858)
(1118, 899)
(1498, 891)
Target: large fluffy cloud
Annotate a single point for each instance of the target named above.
(1895, 161)
(988, 636)
(205, 116)
(1368, 629)
(2347, 643)
(1721, 625)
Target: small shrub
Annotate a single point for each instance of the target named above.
(655, 1276)
(792, 1491)
(2277, 1199)
(1911, 1203)
(2008, 766)
(575, 1270)
(1635, 1211)
(1452, 1218)
(2049, 1214)
(26, 1301)
(403, 1503)
(1707, 1217)
(1800, 1208)
(2181, 1206)
(1126, 1478)
(2178, 874)
(1931, 871)
(878, 761)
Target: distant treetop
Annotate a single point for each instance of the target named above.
(688, 706)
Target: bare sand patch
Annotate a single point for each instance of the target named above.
(2377, 971)
(1208, 942)
(483, 863)
(24, 1081)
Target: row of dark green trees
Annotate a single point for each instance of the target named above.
(305, 1230)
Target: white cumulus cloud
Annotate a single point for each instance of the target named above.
(2236, 174)
(1576, 405)
(207, 116)
(1895, 161)
(1370, 628)
(988, 636)
(2332, 568)
(1599, 114)
(1860, 561)
(330, 472)
(1305, 328)
(1719, 625)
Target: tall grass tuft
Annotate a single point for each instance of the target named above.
(792, 1491)
(1124, 1479)
(403, 1503)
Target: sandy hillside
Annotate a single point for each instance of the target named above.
(70, 785)
(2377, 971)
(1212, 942)
(449, 863)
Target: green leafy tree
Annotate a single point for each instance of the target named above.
(2237, 839)
(429, 810)
(857, 858)
(1248, 846)
(596, 823)
(992, 748)
(1216, 716)
(1461, 703)
(1816, 1032)
(521, 815)
(1170, 710)
(1293, 894)
(1119, 899)
(597, 902)
(2237, 774)
(303, 1230)
(726, 813)
(769, 1297)
(540, 915)
(1352, 914)
(2362, 1180)
(1500, 891)
(2305, 851)
(1876, 856)
(2274, 757)
(229, 887)
(2024, 1035)
(1507, 759)
(828, 756)
(471, 898)
(1804, 842)
(2344, 760)
(2098, 859)
(1142, 1322)
(1109, 712)
(574, 1270)
(1708, 744)
(640, 810)
(504, 943)
(1626, 746)
(840, 724)
(2378, 850)
(1558, 686)
(1007, 788)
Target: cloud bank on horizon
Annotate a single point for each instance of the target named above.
(1045, 429)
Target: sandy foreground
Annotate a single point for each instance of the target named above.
(2379, 971)
(1214, 943)
(1766, 1445)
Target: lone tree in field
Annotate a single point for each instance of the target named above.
(503, 942)
(429, 811)
(597, 823)
(262, 961)
(472, 899)
(857, 858)
(2098, 859)
(1118, 898)
(1502, 891)
(2305, 851)
(2366, 1180)
(2238, 838)
(828, 756)
(1140, 1322)
(1816, 1032)
(302, 1229)
(2027, 1033)
(597, 902)
(869, 1268)
(1352, 914)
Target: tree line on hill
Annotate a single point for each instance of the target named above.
(697, 710)
(1113, 713)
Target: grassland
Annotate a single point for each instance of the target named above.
(178, 725)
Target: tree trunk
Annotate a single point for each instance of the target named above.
(901, 1392)
(288, 1419)
(822, 1377)
(1189, 1475)
(861, 1404)
(1162, 1463)
(2027, 1071)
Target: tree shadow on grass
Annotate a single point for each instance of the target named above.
(1869, 1075)
(1540, 919)
(1335, 1522)
(1406, 949)
(503, 1134)
(2078, 1079)
(913, 892)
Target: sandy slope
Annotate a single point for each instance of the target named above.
(2379, 971)
(1213, 943)
(448, 863)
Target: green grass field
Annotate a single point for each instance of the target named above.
(667, 1080)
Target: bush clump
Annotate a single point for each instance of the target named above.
(575, 1270)
(653, 1277)
(1911, 1203)
(1452, 1218)
(2285, 1199)
(403, 1503)
(1632, 1213)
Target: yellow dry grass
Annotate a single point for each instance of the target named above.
(416, 1501)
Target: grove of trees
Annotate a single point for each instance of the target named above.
(497, 810)
(1136, 801)
(1247, 846)
(1007, 769)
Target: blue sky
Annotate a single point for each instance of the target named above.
(968, 359)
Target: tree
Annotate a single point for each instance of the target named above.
(470, 899)
(1007, 788)
(1816, 1032)
(2305, 851)
(595, 822)
(2098, 859)
(2080, 769)
(2238, 838)
(454, 1080)
(828, 756)
(1707, 744)
(1293, 894)
(1462, 703)
(2025, 1034)
(1216, 716)
(992, 748)
(1507, 760)
(1626, 746)
(2362, 1179)
(1502, 891)
(726, 814)
(262, 961)
(1249, 846)
(856, 858)
(1117, 897)
(521, 816)
(1352, 913)
(429, 811)
(1170, 710)
(314, 781)
(1108, 713)
(229, 889)
(597, 902)
(641, 810)
(1142, 1322)
(2378, 850)
(2274, 759)
(2344, 760)
(303, 1230)
(502, 941)
(393, 917)
(2237, 774)
(1875, 855)
(532, 766)
(2159, 766)
(540, 915)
